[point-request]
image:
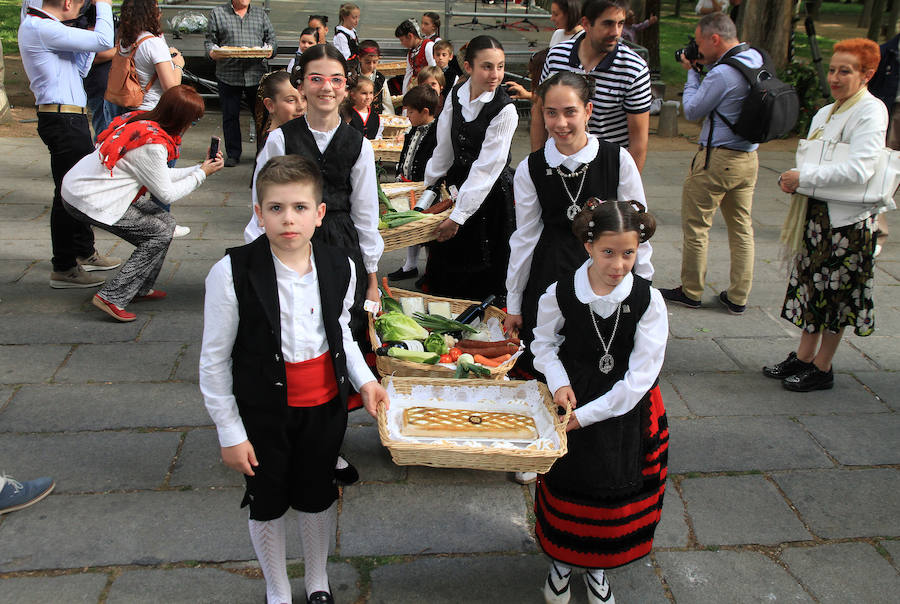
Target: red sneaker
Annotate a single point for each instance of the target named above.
(119, 314)
(153, 294)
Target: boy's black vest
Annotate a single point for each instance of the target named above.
(468, 137)
(335, 164)
(260, 383)
(368, 128)
(421, 154)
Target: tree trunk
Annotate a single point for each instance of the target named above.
(877, 17)
(812, 8)
(767, 24)
(677, 8)
(866, 15)
(5, 114)
(649, 38)
(891, 28)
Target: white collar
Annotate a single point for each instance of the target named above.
(283, 271)
(322, 133)
(465, 91)
(586, 295)
(349, 31)
(584, 155)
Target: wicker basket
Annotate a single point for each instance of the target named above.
(394, 126)
(413, 233)
(390, 366)
(387, 151)
(476, 458)
(244, 52)
(392, 68)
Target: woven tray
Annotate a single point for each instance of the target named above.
(475, 458)
(390, 366)
(394, 125)
(244, 52)
(413, 233)
(387, 151)
(392, 68)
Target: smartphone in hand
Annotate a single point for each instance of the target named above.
(213, 147)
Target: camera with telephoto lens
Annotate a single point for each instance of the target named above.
(691, 52)
(88, 18)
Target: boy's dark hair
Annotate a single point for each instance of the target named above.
(599, 217)
(591, 9)
(289, 169)
(443, 45)
(369, 47)
(432, 71)
(408, 27)
(319, 51)
(572, 10)
(421, 98)
(479, 43)
(577, 82)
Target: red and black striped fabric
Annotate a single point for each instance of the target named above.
(610, 532)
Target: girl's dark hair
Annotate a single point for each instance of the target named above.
(323, 19)
(177, 108)
(536, 66)
(421, 98)
(358, 81)
(314, 53)
(575, 81)
(137, 16)
(613, 217)
(432, 71)
(409, 26)
(311, 31)
(572, 10)
(436, 19)
(479, 43)
(272, 82)
(369, 47)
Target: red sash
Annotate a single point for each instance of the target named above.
(311, 383)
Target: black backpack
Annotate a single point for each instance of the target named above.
(771, 107)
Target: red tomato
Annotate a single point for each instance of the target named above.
(446, 358)
(454, 354)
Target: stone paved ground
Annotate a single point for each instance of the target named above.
(772, 497)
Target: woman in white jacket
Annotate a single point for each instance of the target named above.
(832, 244)
(107, 189)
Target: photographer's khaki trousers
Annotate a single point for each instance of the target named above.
(728, 184)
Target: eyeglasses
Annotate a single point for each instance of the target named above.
(319, 80)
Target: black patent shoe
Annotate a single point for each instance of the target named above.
(400, 274)
(320, 597)
(786, 368)
(346, 476)
(809, 379)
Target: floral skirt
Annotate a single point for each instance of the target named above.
(832, 277)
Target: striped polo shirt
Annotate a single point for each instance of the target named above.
(621, 86)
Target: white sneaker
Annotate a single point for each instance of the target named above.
(598, 593)
(181, 231)
(525, 477)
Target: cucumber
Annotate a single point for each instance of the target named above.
(429, 358)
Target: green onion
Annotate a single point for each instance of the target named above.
(441, 324)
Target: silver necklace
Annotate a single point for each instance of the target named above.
(606, 361)
(573, 209)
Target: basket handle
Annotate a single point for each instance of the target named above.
(566, 416)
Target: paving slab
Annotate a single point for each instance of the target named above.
(695, 356)
(182, 295)
(492, 579)
(11, 270)
(191, 585)
(94, 461)
(53, 408)
(424, 474)
(707, 324)
(131, 362)
(755, 353)
(365, 451)
(84, 587)
(672, 530)
(25, 297)
(204, 249)
(172, 326)
(386, 519)
(736, 510)
(673, 401)
(741, 444)
(9, 211)
(751, 393)
(884, 350)
(188, 271)
(727, 576)
(30, 363)
(843, 572)
(68, 328)
(200, 463)
(893, 549)
(858, 440)
(64, 531)
(845, 503)
(189, 365)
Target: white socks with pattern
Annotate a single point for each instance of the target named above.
(556, 588)
(268, 541)
(315, 535)
(598, 589)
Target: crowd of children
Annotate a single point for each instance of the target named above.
(283, 360)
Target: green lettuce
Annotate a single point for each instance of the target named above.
(395, 326)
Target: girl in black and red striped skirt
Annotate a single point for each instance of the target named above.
(600, 340)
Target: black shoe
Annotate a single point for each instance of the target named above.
(320, 597)
(232, 162)
(810, 379)
(735, 309)
(400, 274)
(786, 368)
(677, 295)
(346, 476)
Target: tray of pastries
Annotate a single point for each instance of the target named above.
(245, 52)
(392, 68)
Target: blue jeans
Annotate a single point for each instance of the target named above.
(102, 113)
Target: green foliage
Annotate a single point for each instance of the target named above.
(804, 78)
(9, 25)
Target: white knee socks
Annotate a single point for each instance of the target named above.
(412, 258)
(315, 535)
(268, 541)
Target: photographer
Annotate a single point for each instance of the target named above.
(56, 58)
(723, 171)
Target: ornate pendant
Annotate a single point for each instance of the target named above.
(572, 212)
(606, 363)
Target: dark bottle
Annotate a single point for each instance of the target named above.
(413, 345)
(475, 311)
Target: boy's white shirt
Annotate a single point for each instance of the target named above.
(302, 337)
